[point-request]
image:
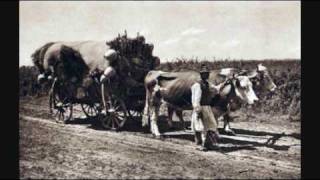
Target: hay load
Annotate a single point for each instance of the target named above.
(132, 58)
(79, 66)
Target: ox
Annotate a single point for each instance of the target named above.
(178, 88)
(260, 77)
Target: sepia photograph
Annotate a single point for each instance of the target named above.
(160, 89)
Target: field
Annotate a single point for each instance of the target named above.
(286, 74)
(267, 145)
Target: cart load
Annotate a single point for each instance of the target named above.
(76, 70)
(132, 57)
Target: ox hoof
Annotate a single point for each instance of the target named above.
(145, 129)
(230, 132)
(183, 127)
(201, 148)
(171, 128)
(186, 128)
(158, 137)
(214, 147)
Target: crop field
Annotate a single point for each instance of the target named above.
(286, 74)
(267, 144)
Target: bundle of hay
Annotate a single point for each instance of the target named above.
(133, 57)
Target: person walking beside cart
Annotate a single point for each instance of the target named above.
(203, 122)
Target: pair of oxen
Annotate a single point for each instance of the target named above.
(177, 89)
(230, 87)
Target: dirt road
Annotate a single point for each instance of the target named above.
(83, 150)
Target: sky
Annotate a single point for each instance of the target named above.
(203, 29)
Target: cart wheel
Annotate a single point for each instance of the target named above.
(116, 115)
(91, 110)
(61, 112)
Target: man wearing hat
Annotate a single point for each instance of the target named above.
(203, 122)
(204, 74)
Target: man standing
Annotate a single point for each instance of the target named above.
(203, 122)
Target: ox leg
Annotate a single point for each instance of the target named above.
(154, 107)
(179, 114)
(170, 114)
(154, 119)
(201, 140)
(145, 116)
(227, 129)
(146, 113)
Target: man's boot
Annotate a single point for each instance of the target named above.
(211, 141)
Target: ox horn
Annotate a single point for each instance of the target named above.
(252, 74)
(260, 67)
(243, 71)
(235, 75)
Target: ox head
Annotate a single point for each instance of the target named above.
(239, 88)
(112, 57)
(261, 78)
(244, 90)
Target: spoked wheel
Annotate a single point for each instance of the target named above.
(116, 115)
(91, 110)
(60, 110)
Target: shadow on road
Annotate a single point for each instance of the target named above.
(236, 148)
(230, 140)
(134, 125)
(263, 133)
